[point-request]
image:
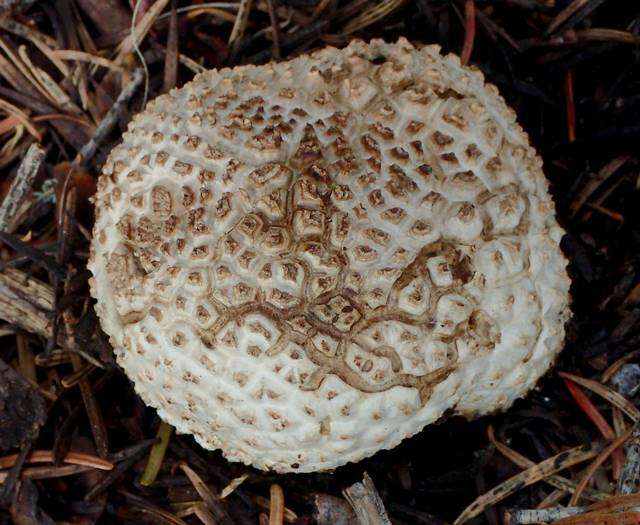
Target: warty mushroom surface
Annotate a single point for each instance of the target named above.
(306, 262)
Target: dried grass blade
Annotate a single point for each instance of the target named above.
(15, 79)
(26, 32)
(598, 419)
(195, 11)
(528, 477)
(22, 117)
(8, 124)
(211, 501)
(232, 486)
(595, 182)
(204, 515)
(171, 58)
(191, 64)
(57, 94)
(48, 472)
(469, 31)
(24, 70)
(156, 456)
(43, 42)
(590, 409)
(618, 364)
(46, 456)
(81, 56)
(96, 421)
(570, 11)
(559, 482)
(371, 16)
(24, 57)
(600, 459)
(140, 31)
(613, 397)
(240, 23)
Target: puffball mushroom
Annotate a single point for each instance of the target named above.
(305, 262)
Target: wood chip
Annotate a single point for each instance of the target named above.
(366, 503)
(21, 186)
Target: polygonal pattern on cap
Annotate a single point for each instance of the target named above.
(306, 262)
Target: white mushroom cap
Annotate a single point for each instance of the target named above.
(306, 262)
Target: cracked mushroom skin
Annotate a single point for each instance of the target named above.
(306, 262)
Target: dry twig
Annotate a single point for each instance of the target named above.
(366, 503)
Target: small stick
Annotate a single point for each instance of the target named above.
(156, 456)
(131, 455)
(630, 477)
(232, 486)
(571, 106)
(553, 498)
(26, 175)
(527, 477)
(526, 516)
(140, 29)
(36, 255)
(600, 459)
(469, 31)
(571, 11)
(596, 181)
(618, 217)
(133, 450)
(75, 377)
(96, 421)
(276, 509)
(240, 23)
(110, 119)
(366, 502)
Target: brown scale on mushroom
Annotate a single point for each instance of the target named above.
(333, 252)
